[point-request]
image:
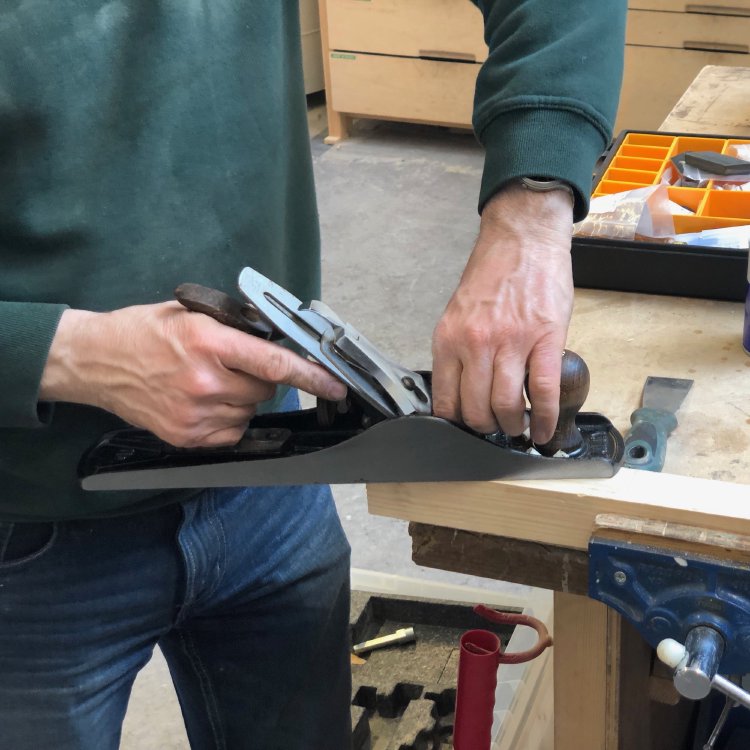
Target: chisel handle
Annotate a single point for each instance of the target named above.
(646, 443)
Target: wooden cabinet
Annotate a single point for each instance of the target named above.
(417, 60)
(667, 43)
(402, 88)
(443, 29)
(312, 58)
(411, 60)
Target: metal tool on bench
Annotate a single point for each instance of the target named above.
(653, 422)
(383, 432)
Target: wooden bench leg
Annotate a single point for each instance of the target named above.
(581, 640)
(606, 697)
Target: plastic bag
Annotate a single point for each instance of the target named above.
(645, 212)
(740, 151)
(737, 238)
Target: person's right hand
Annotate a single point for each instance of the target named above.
(181, 375)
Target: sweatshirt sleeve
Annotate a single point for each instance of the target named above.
(26, 332)
(547, 96)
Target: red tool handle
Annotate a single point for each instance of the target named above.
(513, 618)
(480, 655)
(475, 694)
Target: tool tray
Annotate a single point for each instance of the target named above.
(635, 160)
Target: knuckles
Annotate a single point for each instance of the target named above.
(200, 436)
(276, 366)
(544, 392)
(225, 437)
(444, 407)
(481, 424)
(478, 338)
(479, 417)
(200, 384)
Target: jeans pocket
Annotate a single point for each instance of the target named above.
(24, 542)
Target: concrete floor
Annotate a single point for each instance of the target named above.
(398, 219)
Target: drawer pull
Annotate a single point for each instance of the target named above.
(441, 54)
(719, 10)
(717, 47)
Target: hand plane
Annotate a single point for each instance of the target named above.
(383, 432)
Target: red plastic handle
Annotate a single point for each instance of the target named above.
(480, 655)
(475, 693)
(512, 618)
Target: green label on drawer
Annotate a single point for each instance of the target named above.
(342, 56)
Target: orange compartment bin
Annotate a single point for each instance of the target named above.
(686, 224)
(637, 163)
(735, 142)
(647, 152)
(648, 139)
(695, 143)
(607, 187)
(689, 198)
(734, 204)
(630, 175)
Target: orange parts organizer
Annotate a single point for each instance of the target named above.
(641, 159)
(636, 160)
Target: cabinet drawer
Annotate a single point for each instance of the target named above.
(725, 8)
(450, 29)
(402, 88)
(688, 31)
(647, 98)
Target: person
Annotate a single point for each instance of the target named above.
(148, 144)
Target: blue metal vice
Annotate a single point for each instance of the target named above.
(689, 601)
(668, 591)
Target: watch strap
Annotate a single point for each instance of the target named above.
(539, 185)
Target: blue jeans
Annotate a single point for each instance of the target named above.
(245, 591)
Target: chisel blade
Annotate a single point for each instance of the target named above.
(666, 394)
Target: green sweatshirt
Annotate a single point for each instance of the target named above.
(144, 144)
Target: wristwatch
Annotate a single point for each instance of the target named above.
(545, 186)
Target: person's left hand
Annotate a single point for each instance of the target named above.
(508, 316)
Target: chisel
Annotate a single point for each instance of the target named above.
(652, 424)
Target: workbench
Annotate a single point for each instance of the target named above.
(537, 532)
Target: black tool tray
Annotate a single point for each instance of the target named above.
(637, 159)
